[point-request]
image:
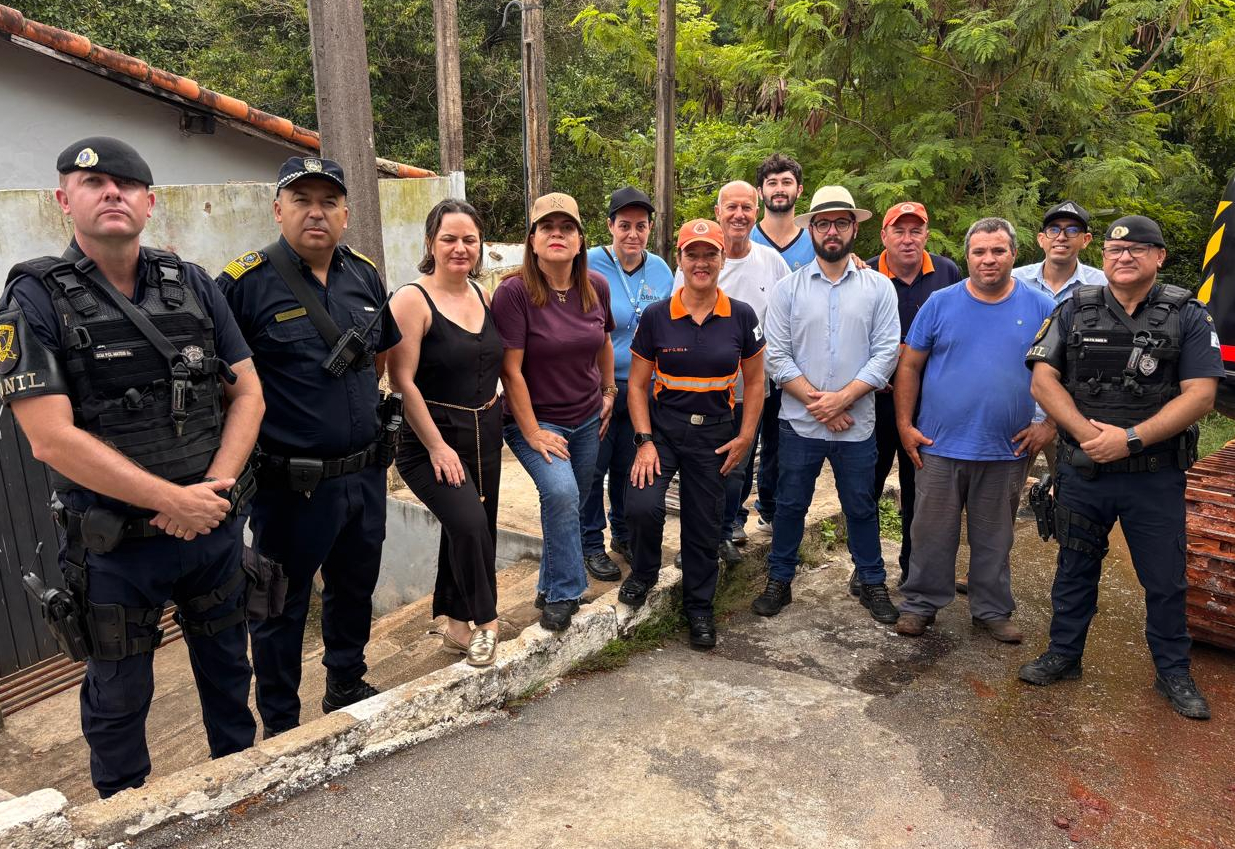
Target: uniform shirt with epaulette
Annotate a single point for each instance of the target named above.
(308, 412)
(33, 345)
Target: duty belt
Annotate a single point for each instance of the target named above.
(76, 527)
(303, 474)
(1147, 462)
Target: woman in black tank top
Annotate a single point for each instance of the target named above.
(450, 456)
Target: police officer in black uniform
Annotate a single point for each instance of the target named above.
(1126, 372)
(313, 311)
(116, 360)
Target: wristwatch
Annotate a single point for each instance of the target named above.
(1135, 446)
(641, 438)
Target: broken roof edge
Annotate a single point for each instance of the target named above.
(175, 86)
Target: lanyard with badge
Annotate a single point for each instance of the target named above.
(644, 293)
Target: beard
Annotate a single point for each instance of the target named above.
(779, 205)
(835, 255)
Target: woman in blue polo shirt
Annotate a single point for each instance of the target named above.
(696, 342)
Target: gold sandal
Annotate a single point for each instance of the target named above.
(482, 649)
(448, 642)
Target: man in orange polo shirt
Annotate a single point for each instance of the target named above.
(915, 274)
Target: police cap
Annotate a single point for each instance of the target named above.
(106, 156)
(1136, 228)
(300, 167)
(1067, 209)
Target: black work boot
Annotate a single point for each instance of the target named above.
(555, 616)
(634, 592)
(774, 597)
(1049, 668)
(702, 632)
(874, 597)
(601, 567)
(1183, 695)
(728, 552)
(340, 694)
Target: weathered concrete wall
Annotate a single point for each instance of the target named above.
(50, 104)
(213, 224)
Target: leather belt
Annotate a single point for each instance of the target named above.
(696, 419)
(333, 468)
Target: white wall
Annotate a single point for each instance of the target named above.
(48, 104)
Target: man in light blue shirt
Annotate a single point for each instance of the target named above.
(1062, 237)
(833, 334)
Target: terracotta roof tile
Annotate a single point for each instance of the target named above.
(13, 22)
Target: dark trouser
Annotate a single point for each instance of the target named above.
(739, 483)
(691, 451)
(339, 529)
(769, 465)
(466, 579)
(888, 442)
(116, 694)
(615, 456)
(1150, 509)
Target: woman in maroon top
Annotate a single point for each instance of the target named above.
(554, 319)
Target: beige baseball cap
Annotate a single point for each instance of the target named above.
(555, 202)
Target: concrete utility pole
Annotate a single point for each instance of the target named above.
(449, 93)
(536, 101)
(666, 123)
(345, 115)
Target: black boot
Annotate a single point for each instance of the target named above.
(1049, 668)
(1183, 695)
(775, 596)
(340, 694)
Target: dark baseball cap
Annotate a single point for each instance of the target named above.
(300, 167)
(1067, 209)
(105, 155)
(1136, 228)
(629, 196)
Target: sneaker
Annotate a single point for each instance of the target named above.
(855, 584)
(601, 567)
(913, 624)
(702, 632)
(1049, 668)
(621, 547)
(962, 586)
(739, 535)
(1001, 628)
(763, 526)
(340, 694)
(1183, 695)
(775, 596)
(874, 597)
(556, 614)
(729, 553)
(634, 592)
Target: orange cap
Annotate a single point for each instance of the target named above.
(907, 208)
(701, 230)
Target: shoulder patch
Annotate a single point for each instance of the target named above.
(359, 255)
(241, 264)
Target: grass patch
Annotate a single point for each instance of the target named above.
(618, 652)
(527, 695)
(819, 540)
(1216, 431)
(889, 519)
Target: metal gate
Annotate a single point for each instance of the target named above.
(25, 520)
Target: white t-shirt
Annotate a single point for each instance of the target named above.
(750, 279)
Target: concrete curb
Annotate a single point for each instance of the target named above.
(419, 710)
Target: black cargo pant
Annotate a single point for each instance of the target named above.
(689, 450)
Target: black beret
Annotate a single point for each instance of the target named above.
(106, 156)
(1136, 228)
(299, 167)
(1067, 209)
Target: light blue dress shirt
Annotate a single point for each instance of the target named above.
(831, 333)
(1084, 274)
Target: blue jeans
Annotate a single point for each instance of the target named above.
(563, 485)
(853, 466)
(615, 456)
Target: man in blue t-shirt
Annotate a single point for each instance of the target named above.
(637, 279)
(976, 432)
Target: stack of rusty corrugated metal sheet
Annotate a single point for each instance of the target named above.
(1211, 548)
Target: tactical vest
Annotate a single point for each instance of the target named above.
(1122, 370)
(166, 416)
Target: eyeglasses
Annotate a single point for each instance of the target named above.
(1071, 231)
(842, 225)
(1138, 251)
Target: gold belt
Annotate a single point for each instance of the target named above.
(475, 411)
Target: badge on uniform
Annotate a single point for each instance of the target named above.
(1148, 365)
(10, 352)
(1046, 325)
(314, 165)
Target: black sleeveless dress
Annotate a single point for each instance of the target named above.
(458, 375)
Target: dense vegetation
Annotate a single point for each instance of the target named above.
(970, 107)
